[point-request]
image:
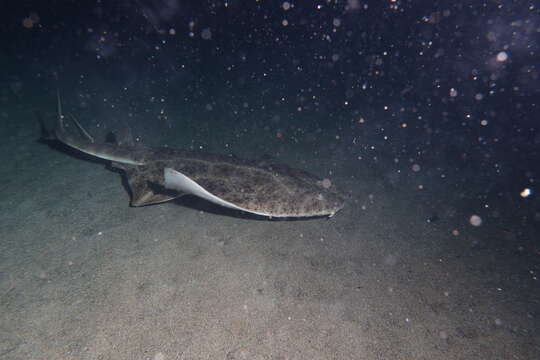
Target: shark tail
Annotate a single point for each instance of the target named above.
(85, 142)
(59, 132)
(60, 126)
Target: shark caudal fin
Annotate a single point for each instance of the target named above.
(85, 143)
(60, 130)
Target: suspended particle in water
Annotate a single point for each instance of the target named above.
(502, 56)
(326, 183)
(475, 220)
(27, 23)
(525, 193)
(206, 34)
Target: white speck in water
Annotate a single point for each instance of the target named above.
(475, 220)
(502, 56)
(326, 183)
(525, 193)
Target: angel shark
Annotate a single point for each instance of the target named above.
(156, 175)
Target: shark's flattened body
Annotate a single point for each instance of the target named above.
(157, 175)
(263, 189)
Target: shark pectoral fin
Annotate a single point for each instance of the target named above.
(145, 192)
(149, 197)
(177, 181)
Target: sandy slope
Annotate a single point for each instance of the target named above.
(84, 276)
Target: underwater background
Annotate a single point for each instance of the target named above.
(424, 113)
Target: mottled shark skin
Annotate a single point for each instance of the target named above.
(157, 175)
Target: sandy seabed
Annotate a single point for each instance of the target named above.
(85, 276)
